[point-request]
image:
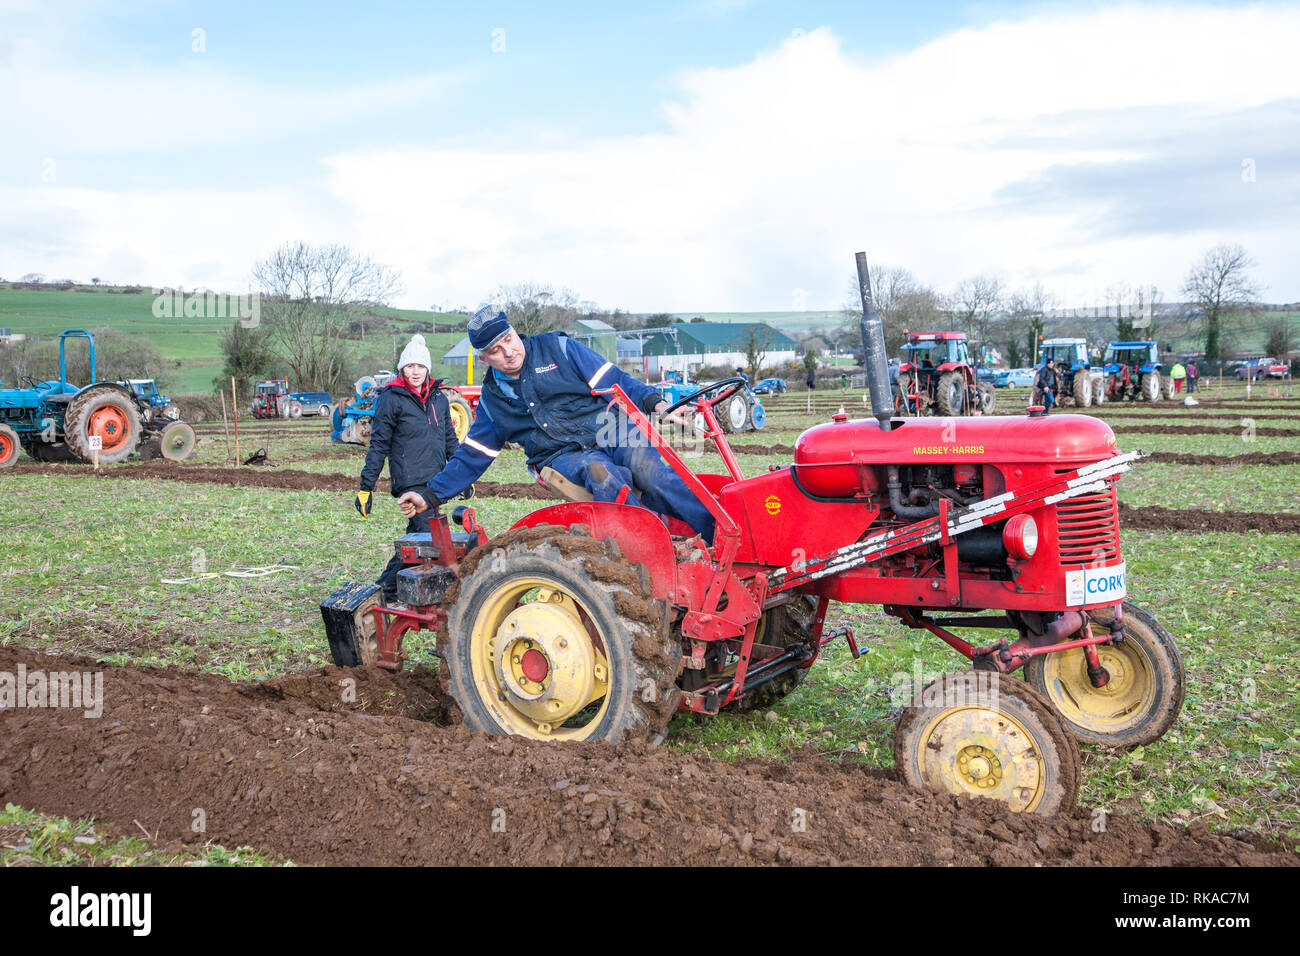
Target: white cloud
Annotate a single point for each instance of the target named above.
(771, 174)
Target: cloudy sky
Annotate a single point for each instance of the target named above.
(708, 155)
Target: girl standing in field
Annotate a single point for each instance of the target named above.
(413, 430)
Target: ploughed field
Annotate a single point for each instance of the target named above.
(218, 695)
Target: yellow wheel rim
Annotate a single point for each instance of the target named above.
(983, 752)
(1129, 692)
(460, 420)
(538, 661)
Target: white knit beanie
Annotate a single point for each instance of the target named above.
(415, 353)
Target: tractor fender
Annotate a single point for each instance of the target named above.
(639, 532)
(114, 386)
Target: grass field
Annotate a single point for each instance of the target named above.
(84, 562)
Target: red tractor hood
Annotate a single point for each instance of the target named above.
(993, 439)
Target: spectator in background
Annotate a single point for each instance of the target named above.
(1178, 374)
(1045, 385)
(1192, 372)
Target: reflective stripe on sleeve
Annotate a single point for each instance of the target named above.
(490, 452)
(591, 382)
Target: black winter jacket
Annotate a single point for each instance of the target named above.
(417, 440)
(1046, 378)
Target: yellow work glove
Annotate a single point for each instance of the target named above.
(362, 504)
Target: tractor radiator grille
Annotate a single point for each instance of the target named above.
(1087, 528)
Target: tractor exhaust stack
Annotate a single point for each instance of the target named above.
(872, 327)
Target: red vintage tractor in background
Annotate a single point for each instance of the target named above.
(936, 377)
(595, 620)
(271, 400)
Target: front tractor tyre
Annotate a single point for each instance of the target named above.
(1099, 391)
(950, 396)
(10, 446)
(1144, 693)
(109, 413)
(989, 735)
(987, 396)
(560, 638)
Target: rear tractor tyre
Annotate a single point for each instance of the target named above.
(559, 638)
(462, 416)
(109, 413)
(986, 734)
(1143, 696)
(10, 447)
(950, 395)
(1150, 386)
(1082, 389)
(780, 627)
(735, 415)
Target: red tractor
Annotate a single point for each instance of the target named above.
(598, 620)
(271, 400)
(936, 377)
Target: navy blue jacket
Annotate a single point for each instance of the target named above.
(416, 438)
(549, 409)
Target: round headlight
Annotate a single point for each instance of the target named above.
(1020, 537)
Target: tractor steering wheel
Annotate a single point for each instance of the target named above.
(735, 382)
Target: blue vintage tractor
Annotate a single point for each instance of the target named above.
(56, 421)
(741, 413)
(165, 434)
(1133, 371)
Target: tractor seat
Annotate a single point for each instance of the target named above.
(569, 490)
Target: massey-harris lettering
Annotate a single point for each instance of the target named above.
(948, 450)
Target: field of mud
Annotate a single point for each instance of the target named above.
(289, 767)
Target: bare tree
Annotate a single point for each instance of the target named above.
(754, 342)
(974, 303)
(311, 294)
(1024, 324)
(534, 307)
(905, 303)
(1219, 286)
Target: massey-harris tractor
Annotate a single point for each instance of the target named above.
(936, 377)
(598, 620)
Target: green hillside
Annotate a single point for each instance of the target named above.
(190, 347)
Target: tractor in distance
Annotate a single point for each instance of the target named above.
(58, 421)
(1132, 371)
(936, 377)
(353, 417)
(165, 435)
(1075, 378)
(271, 400)
(595, 620)
(742, 412)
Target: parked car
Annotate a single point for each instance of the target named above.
(1258, 368)
(770, 386)
(1015, 378)
(313, 403)
(986, 373)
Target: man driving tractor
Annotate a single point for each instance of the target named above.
(537, 393)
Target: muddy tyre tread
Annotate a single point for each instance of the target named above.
(790, 623)
(619, 590)
(1071, 761)
(1170, 676)
(943, 394)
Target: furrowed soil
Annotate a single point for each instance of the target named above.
(289, 767)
